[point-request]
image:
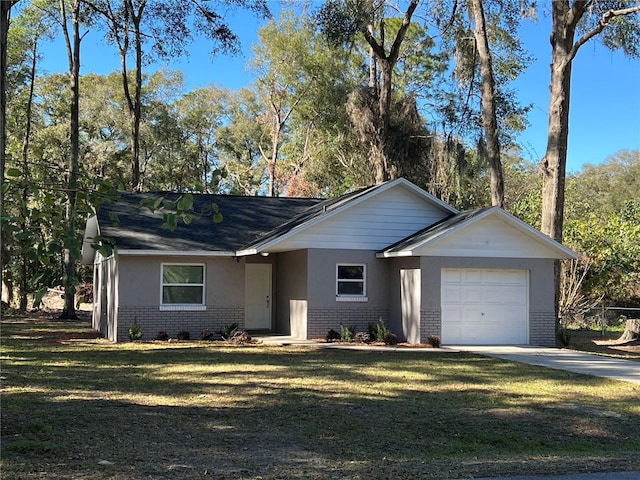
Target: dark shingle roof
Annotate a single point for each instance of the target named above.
(245, 220)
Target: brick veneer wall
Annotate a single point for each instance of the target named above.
(430, 324)
(321, 320)
(542, 328)
(151, 320)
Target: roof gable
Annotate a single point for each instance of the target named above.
(368, 219)
(487, 232)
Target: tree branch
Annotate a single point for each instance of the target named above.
(406, 21)
(602, 24)
(377, 48)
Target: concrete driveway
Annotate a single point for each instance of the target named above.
(563, 359)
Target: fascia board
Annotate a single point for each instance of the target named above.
(177, 253)
(248, 251)
(403, 253)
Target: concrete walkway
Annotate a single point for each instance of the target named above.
(563, 359)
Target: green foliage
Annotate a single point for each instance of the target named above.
(134, 331)
(378, 331)
(347, 333)
(341, 22)
(612, 243)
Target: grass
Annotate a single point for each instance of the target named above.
(79, 407)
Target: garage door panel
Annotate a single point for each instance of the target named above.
(452, 295)
(472, 294)
(484, 306)
(470, 276)
(504, 295)
(451, 276)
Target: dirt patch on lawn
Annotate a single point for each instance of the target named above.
(594, 341)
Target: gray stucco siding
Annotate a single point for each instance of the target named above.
(139, 296)
(140, 280)
(325, 311)
(322, 276)
(396, 265)
(291, 292)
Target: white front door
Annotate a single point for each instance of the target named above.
(485, 306)
(257, 314)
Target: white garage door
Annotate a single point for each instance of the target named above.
(485, 306)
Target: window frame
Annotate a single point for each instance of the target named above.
(351, 297)
(183, 306)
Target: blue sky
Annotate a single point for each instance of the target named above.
(605, 100)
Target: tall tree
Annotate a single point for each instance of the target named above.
(474, 104)
(286, 78)
(71, 250)
(169, 25)
(238, 141)
(489, 118)
(5, 16)
(593, 18)
(341, 22)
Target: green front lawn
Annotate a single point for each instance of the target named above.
(77, 407)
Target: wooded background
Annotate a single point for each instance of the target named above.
(347, 93)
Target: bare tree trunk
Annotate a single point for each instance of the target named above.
(565, 18)
(563, 50)
(631, 331)
(489, 119)
(276, 129)
(5, 16)
(133, 101)
(553, 165)
(121, 29)
(380, 154)
(24, 262)
(137, 104)
(69, 310)
(373, 66)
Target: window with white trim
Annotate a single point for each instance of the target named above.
(351, 281)
(182, 284)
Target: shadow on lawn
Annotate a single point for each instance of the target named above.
(180, 411)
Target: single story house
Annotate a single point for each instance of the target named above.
(300, 267)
